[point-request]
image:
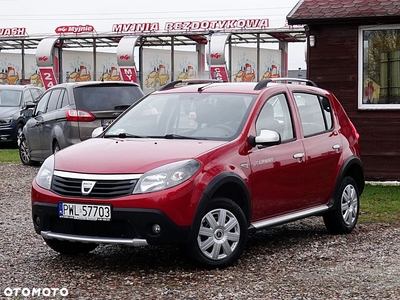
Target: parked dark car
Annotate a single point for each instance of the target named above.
(67, 114)
(16, 103)
(202, 165)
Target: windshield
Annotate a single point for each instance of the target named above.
(186, 115)
(10, 98)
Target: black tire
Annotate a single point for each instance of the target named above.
(343, 218)
(70, 248)
(24, 153)
(220, 235)
(18, 134)
(56, 147)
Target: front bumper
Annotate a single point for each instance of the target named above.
(6, 133)
(128, 226)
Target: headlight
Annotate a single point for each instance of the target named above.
(6, 121)
(166, 176)
(45, 174)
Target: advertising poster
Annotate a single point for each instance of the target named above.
(77, 66)
(11, 69)
(270, 64)
(244, 64)
(244, 60)
(156, 69)
(107, 67)
(185, 65)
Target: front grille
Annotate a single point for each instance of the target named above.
(103, 189)
(111, 229)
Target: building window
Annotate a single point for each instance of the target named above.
(379, 67)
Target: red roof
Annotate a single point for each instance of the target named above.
(313, 10)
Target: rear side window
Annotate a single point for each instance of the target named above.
(106, 97)
(315, 113)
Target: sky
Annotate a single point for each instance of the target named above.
(44, 16)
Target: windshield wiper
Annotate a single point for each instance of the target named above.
(172, 136)
(123, 135)
(121, 107)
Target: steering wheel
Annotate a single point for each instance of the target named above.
(224, 127)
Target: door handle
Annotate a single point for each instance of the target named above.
(336, 147)
(299, 156)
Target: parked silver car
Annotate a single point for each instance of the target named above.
(67, 114)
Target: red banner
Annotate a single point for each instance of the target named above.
(48, 77)
(128, 74)
(219, 72)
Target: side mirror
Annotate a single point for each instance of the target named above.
(30, 104)
(97, 132)
(266, 138)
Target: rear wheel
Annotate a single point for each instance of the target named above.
(221, 235)
(70, 248)
(344, 217)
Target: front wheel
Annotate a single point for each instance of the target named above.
(343, 218)
(221, 235)
(56, 147)
(24, 152)
(70, 248)
(16, 139)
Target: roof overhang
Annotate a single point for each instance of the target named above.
(269, 35)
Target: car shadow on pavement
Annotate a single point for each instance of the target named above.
(173, 258)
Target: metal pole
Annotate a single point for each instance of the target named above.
(210, 33)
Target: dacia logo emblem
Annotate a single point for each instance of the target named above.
(87, 187)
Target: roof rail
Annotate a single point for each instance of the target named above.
(183, 82)
(299, 80)
(263, 83)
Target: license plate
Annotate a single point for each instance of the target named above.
(106, 122)
(84, 211)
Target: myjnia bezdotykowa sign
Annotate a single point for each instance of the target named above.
(193, 25)
(154, 26)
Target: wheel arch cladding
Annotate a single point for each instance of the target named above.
(229, 185)
(353, 168)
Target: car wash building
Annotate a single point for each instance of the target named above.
(150, 53)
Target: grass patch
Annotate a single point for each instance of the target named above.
(9, 155)
(380, 204)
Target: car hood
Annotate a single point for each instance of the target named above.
(6, 112)
(128, 156)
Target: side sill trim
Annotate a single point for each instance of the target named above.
(91, 239)
(289, 217)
